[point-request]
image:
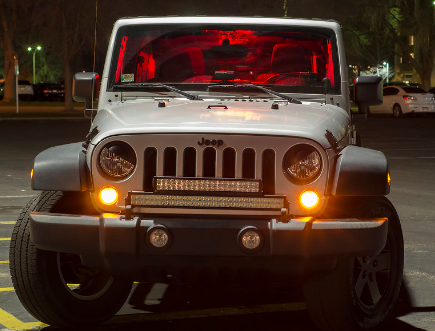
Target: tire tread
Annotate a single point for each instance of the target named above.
(30, 273)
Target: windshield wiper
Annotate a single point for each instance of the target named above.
(282, 96)
(170, 88)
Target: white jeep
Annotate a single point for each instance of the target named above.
(223, 151)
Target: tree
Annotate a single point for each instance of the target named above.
(9, 52)
(396, 20)
(16, 38)
(66, 35)
(416, 18)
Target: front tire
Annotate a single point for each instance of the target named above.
(43, 280)
(360, 293)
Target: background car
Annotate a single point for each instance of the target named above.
(395, 84)
(49, 91)
(25, 90)
(399, 100)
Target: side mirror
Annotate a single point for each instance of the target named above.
(85, 87)
(367, 92)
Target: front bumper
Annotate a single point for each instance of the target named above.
(110, 242)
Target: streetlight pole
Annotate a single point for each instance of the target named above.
(388, 71)
(38, 48)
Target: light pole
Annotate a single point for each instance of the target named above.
(38, 48)
(388, 71)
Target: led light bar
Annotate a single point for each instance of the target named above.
(152, 200)
(206, 185)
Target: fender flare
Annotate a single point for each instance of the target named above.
(360, 172)
(61, 168)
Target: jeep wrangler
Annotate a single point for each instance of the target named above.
(223, 151)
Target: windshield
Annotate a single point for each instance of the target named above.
(287, 59)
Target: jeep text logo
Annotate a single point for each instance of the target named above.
(212, 142)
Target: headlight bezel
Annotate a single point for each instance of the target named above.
(296, 154)
(125, 152)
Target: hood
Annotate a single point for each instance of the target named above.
(253, 117)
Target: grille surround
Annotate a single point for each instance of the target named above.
(274, 146)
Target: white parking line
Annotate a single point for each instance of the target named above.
(155, 295)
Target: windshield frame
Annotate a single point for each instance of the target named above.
(324, 32)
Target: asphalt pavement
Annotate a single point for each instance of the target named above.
(37, 109)
(409, 145)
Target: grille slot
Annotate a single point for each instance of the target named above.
(189, 162)
(170, 162)
(248, 163)
(229, 163)
(209, 162)
(150, 166)
(268, 171)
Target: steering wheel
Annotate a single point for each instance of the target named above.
(293, 78)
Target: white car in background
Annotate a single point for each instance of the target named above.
(25, 90)
(400, 100)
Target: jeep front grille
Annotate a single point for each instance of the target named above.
(208, 163)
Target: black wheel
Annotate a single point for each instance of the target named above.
(360, 293)
(55, 287)
(397, 111)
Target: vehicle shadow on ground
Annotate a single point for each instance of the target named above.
(211, 308)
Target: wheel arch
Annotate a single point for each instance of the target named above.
(61, 168)
(360, 172)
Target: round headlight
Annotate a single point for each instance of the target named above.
(302, 163)
(117, 159)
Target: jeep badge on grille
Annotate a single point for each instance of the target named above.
(209, 142)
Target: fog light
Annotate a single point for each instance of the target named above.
(108, 195)
(309, 199)
(158, 237)
(250, 239)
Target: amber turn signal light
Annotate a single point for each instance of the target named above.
(309, 199)
(108, 195)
